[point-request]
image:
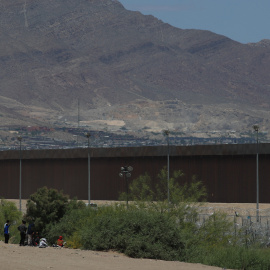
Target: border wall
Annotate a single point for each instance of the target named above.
(227, 171)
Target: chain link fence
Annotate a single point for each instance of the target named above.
(249, 228)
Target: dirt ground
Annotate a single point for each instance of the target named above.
(32, 258)
(229, 208)
(14, 257)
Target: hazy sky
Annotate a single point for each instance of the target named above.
(241, 20)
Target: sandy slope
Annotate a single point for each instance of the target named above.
(14, 257)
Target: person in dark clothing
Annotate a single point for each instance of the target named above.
(6, 231)
(22, 228)
(30, 231)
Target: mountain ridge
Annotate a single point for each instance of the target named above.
(61, 56)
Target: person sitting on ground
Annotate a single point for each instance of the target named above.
(35, 239)
(60, 241)
(22, 229)
(43, 243)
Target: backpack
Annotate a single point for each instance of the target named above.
(22, 228)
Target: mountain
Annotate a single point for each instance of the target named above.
(116, 69)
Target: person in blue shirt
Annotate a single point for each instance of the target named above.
(6, 231)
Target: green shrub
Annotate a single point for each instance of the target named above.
(145, 233)
(238, 258)
(47, 206)
(142, 190)
(215, 243)
(9, 211)
(216, 231)
(74, 241)
(137, 233)
(148, 228)
(71, 223)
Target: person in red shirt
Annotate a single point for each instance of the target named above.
(60, 241)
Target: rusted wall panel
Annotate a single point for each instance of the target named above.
(229, 177)
(9, 172)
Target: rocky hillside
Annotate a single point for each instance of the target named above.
(117, 68)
